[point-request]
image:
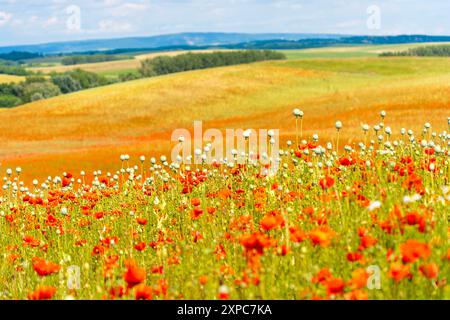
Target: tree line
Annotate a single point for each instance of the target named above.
(37, 87)
(193, 61)
(19, 56)
(83, 59)
(428, 51)
(7, 67)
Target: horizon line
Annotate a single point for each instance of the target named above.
(217, 32)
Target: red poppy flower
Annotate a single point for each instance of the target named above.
(399, 271)
(158, 270)
(412, 218)
(99, 215)
(66, 182)
(296, 235)
(255, 241)
(268, 223)
(45, 268)
(335, 286)
(359, 279)
(412, 250)
(196, 213)
(117, 292)
(322, 276)
(140, 246)
(357, 295)
(346, 161)
(429, 151)
(134, 274)
(141, 221)
(354, 256)
(42, 293)
(322, 236)
(429, 270)
(143, 292)
(367, 241)
(195, 202)
(326, 183)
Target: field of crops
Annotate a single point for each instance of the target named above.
(93, 207)
(115, 68)
(85, 130)
(351, 51)
(112, 67)
(364, 222)
(6, 78)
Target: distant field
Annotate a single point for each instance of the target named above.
(6, 78)
(88, 130)
(351, 51)
(115, 68)
(112, 68)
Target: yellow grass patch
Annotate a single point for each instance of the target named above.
(6, 78)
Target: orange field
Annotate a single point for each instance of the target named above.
(351, 207)
(90, 129)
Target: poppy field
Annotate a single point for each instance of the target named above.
(337, 220)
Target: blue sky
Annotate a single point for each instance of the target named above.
(37, 21)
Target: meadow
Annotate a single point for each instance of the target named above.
(6, 78)
(111, 68)
(356, 51)
(115, 68)
(92, 207)
(84, 130)
(368, 222)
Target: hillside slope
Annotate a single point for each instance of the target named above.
(117, 65)
(6, 78)
(90, 129)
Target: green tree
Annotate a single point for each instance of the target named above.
(9, 101)
(42, 90)
(66, 83)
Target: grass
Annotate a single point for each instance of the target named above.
(117, 73)
(350, 51)
(370, 224)
(86, 130)
(316, 229)
(6, 78)
(110, 68)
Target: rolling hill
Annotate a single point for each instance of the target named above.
(113, 66)
(88, 130)
(170, 40)
(193, 41)
(6, 78)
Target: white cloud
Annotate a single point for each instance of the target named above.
(110, 3)
(128, 8)
(5, 17)
(288, 4)
(110, 26)
(50, 22)
(16, 22)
